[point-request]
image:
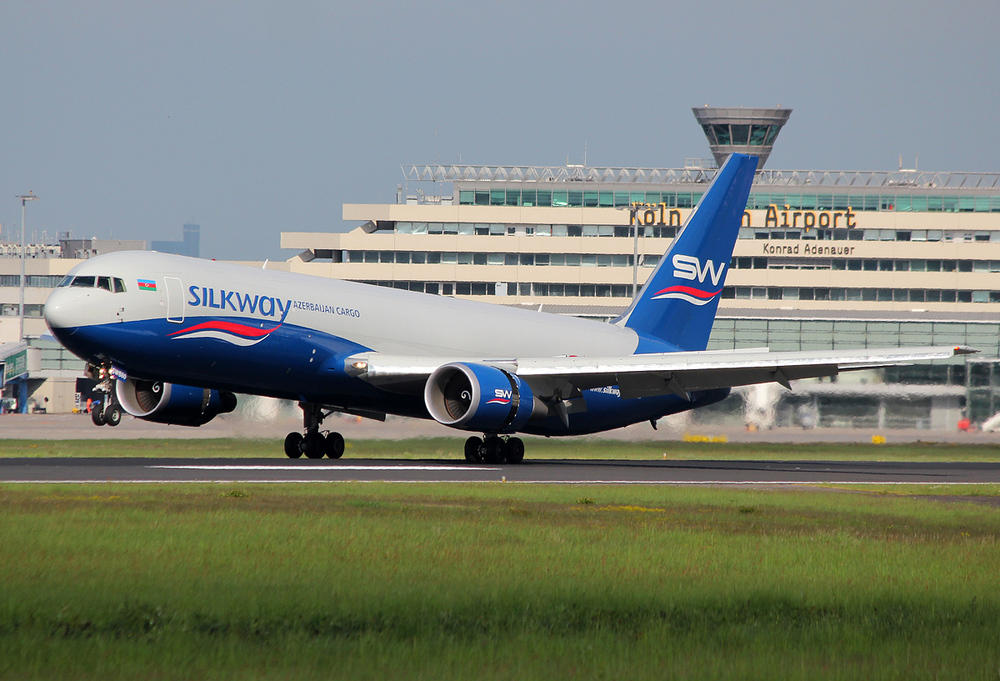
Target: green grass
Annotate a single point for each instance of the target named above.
(537, 448)
(975, 490)
(494, 581)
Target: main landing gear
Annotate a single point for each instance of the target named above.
(314, 444)
(494, 449)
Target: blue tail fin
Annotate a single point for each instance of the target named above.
(677, 304)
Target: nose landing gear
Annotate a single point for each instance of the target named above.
(107, 411)
(314, 444)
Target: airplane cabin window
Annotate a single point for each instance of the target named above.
(119, 285)
(104, 283)
(84, 282)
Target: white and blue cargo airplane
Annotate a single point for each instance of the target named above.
(173, 338)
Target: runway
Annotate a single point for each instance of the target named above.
(150, 470)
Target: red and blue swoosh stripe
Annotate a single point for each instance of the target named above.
(686, 293)
(230, 332)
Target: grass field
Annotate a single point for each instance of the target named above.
(537, 448)
(373, 581)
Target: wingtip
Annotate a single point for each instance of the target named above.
(965, 350)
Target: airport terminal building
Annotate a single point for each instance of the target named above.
(825, 260)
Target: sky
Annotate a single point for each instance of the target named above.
(250, 118)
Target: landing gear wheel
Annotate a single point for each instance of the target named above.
(472, 447)
(113, 416)
(313, 445)
(496, 450)
(293, 445)
(334, 445)
(97, 414)
(515, 450)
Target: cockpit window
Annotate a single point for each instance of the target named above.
(107, 283)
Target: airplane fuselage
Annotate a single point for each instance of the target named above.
(229, 327)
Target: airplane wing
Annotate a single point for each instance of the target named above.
(680, 373)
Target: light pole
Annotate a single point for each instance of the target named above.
(634, 219)
(30, 196)
(635, 255)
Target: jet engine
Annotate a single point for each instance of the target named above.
(480, 398)
(174, 404)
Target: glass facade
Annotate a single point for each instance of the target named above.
(623, 292)
(740, 134)
(843, 334)
(667, 232)
(572, 198)
(561, 259)
(31, 280)
(982, 381)
(867, 295)
(898, 201)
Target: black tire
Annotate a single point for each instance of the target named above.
(472, 446)
(496, 450)
(293, 445)
(97, 414)
(113, 416)
(334, 445)
(314, 445)
(515, 450)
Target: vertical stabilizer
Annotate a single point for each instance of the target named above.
(677, 304)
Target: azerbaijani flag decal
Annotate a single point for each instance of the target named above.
(147, 284)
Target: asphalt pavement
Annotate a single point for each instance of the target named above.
(147, 470)
(275, 426)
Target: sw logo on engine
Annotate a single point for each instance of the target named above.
(501, 396)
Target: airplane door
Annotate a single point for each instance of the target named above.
(175, 299)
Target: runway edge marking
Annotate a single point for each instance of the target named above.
(749, 483)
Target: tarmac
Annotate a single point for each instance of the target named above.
(566, 471)
(80, 427)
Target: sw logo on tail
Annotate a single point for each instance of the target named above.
(690, 267)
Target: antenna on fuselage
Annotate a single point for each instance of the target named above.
(264, 266)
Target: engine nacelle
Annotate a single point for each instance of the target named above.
(175, 404)
(478, 397)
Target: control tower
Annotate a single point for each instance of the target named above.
(746, 131)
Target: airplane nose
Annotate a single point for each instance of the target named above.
(62, 311)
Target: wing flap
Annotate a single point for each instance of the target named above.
(683, 383)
